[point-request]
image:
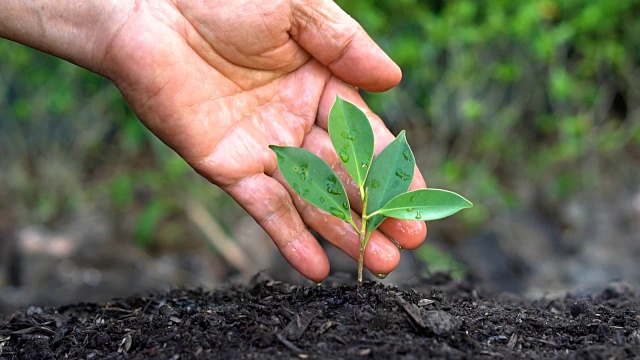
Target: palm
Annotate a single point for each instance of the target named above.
(219, 89)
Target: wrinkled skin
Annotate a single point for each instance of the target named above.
(219, 81)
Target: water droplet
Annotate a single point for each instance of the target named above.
(412, 198)
(296, 188)
(344, 156)
(332, 185)
(409, 209)
(337, 213)
(365, 164)
(305, 193)
(374, 184)
(402, 175)
(302, 171)
(381, 276)
(406, 156)
(346, 206)
(349, 135)
(418, 216)
(321, 199)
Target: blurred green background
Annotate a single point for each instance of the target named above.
(530, 109)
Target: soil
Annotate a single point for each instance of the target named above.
(268, 319)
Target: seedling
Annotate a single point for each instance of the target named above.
(383, 181)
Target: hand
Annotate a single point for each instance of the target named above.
(219, 81)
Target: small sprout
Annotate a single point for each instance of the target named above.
(383, 181)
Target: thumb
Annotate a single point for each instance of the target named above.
(336, 40)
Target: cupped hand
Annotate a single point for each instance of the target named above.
(220, 81)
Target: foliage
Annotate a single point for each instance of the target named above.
(436, 260)
(70, 145)
(517, 101)
(383, 181)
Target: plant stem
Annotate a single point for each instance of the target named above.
(363, 239)
(363, 244)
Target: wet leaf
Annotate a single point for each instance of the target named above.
(352, 137)
(425, 204)
(311, 178)
(390, 175)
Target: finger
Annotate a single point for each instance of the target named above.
(381, 255)
(408, 234)
(269, 203)
(340, 43)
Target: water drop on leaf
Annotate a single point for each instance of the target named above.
(365, 165)
(349, 135)
(345, 205)
(406, 156)
(302, 171)
(344, 156)
(418, 216)
(402, 175)
(332, 185)
(338, 213)
(321, 199)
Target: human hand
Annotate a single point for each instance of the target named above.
(219, 81)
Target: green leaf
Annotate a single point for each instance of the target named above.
(425, 204)
(352, 137)
(390, 175)
(312, 179)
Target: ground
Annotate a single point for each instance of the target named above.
(268, 319)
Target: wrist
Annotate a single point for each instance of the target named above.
(77, 31)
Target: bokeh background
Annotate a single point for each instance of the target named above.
(531, 109)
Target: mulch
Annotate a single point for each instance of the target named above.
(267, 319)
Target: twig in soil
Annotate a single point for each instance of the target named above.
(547, 342)
(411, 311)
(34, 329)
(297, 326)
(3, 340)
(324, 327)
(289, 344)
(512, 341)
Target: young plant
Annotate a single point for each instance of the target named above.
(383, 181)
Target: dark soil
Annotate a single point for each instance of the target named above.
(273, 320)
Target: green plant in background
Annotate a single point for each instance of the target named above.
(383, 181)
(533, 102)
(436, 260)
(75, 149)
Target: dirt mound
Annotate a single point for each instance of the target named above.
(274, 320)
